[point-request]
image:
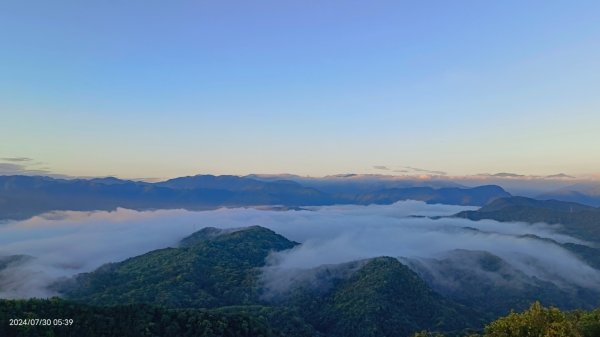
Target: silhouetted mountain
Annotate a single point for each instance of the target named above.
(475, 196)
(354, 184)
(588, 194)
(110, 181)
(25, 196)
(552, 205)
(225, 182)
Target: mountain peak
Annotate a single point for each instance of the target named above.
(255, 235)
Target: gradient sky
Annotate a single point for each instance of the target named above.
(170, 88)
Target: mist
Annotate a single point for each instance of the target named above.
(63, 244)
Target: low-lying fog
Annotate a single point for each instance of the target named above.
(67, 243)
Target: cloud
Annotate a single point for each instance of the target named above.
(416, 169)
(507, 175)
(20, 166)
(560, 176)
(26, 166)
(67, 243)
(20, 169)
(16, 159)
(381, 167)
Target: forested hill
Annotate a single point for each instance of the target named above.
(209, 270)
(55, 317)
(217, 281)
(215, 269)
(537, 321)
(579, 220)
(148, 321)
(385, 298)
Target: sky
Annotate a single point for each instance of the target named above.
(170, 88)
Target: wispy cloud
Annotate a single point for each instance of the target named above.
(560, 176)
(381, 167)
(19, 169)
(408, 169)
(507, 175)
(510, 175)
(416, 169)
(26, 166)
(16, 159)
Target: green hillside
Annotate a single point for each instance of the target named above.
(220, 269)
(385, 298)
(123, 321)
(203, 273)
(578, 220)
(485, 282)
(537, 321)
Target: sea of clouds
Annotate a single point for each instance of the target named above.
(67, 243)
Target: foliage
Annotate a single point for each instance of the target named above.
(205, 273)
(539, 321)
(378, 297)
(536, 321)
(383, 298)
(487, 283)
(285, 321)
(578, 220)
(124, 321)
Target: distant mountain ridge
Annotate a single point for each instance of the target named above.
(25, 196)
(357, 183)
(224, 182)
(588, 194)
(476, 196)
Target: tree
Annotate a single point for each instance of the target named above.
(537, 321)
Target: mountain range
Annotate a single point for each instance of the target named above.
(218, 279)
(217, 282)
(588, 194)
(25, 196)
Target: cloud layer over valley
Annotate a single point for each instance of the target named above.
(66, 243)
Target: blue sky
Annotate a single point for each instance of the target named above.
(170, 88)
